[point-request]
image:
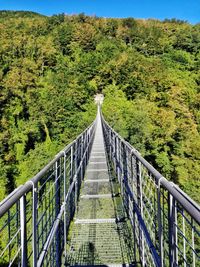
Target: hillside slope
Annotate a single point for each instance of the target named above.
(51, 67)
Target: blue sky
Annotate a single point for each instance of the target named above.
(181, 9)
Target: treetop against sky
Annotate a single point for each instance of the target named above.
(180, 9)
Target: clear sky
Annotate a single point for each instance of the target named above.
(181, 9)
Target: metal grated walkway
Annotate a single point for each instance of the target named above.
(100, 234)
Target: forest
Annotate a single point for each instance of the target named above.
(51, 68)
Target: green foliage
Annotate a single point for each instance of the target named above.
(51, 67)
(44, 104)
(18, 14)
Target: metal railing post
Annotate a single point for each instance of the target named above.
(184, 242)
(75, 172)
(110, 144)
(34, 238)
(23, 231)
(115, 150)
(87, 142)
(171, 228)
(176, 234)
(84, 159)
(9, 235)
(160, 228)
(121, 164)
(57, 210)
(140, 206)
(72, 171)
(132, 214)
(125, 178)
(122, 169)
(117, 158)
(82, 163)
(193, 245)
(71, 164)
(64, 201)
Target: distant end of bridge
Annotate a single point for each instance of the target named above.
(99, 99)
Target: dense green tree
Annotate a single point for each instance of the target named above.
(51, 67)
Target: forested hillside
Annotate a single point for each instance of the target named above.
(51, 67)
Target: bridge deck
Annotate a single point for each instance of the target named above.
(100, 234)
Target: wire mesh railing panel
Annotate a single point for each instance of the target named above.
(164, 215)
(10, 236)
(46, 212)
(35, 218)
(165, 221)
(149, 204)
(51, 258)
(29, 223)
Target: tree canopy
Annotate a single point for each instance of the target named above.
(51, 67)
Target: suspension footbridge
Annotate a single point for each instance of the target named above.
(99, 203)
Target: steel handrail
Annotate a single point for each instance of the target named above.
(190, 206)
(15, 196)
